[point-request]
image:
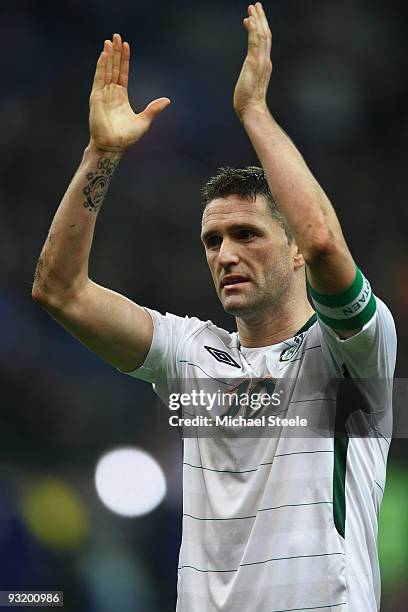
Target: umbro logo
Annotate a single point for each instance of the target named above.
(222, 356)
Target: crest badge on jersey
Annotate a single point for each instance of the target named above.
(290, 352)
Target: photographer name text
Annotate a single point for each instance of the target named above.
(237, 421)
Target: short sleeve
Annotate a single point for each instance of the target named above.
(371, 353)
(171, 334)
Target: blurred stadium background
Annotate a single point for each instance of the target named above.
(339, 88)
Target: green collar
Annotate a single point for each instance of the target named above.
(308, 324)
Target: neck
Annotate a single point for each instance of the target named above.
(275, 325)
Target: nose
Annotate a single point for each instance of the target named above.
(227, 254)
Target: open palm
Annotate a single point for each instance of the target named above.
(252, 85)
(113, 124)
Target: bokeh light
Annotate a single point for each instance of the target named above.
(55, 514)
(393, 528)
(129, 481)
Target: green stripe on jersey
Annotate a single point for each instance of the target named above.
(350, 309)
(339, 483)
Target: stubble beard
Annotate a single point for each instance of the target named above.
(259, 301)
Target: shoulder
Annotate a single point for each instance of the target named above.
(186, 327)
(370, 352)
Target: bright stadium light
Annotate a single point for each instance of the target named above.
(129, 481)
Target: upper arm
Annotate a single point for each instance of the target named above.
(109, 324)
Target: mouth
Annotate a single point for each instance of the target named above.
(233, 281)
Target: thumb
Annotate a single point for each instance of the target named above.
(155, 107)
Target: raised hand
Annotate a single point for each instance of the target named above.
(252, 85)
(113, 124)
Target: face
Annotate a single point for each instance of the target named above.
(248, 254)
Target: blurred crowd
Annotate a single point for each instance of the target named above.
(339, 89)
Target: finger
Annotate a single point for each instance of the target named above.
(124, 65)
(155, 107)
(117, 52)
(261, 34)
(99, 78)
(264, 27)
(108, 49)
(263, 57)
(253, 42)
(262, 17)
(252, 12)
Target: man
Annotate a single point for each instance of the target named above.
(269, 524)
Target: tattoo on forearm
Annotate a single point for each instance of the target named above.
(98, 184)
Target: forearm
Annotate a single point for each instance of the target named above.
(307, 209)
(62, 269)
(309, 214)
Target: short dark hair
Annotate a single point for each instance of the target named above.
(247, 183)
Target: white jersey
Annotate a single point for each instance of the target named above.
(277, 523)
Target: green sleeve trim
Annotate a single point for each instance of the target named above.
(350, 309)
(340, 299)
(354, 322)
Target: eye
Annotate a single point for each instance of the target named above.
(212, 242)
(245, 234)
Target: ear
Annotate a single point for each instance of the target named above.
(298, 259)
